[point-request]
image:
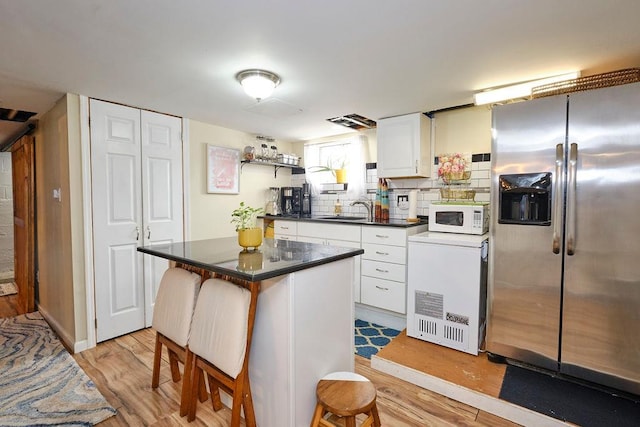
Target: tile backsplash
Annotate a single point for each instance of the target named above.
(429, 190)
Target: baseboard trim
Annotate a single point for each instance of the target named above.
(381, 317)
(58, 329)
(486, 403)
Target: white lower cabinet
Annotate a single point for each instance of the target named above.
(380, 277)
(336, 235)
(385, 294)
(285, 230)
(384, 266)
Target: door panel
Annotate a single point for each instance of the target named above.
(22, 164)
(601, 316)
(162, 189)
(122, 191)
(123, 279)
(117, 207)
(525, 275)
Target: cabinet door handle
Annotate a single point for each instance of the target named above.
(284, 228)
(137, 233)
(148, 232)
(382, 253)
(382, 236)
(381, 288)
(381, 270)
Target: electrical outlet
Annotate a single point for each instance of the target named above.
(403, 202)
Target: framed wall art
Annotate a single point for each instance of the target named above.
(223, 170)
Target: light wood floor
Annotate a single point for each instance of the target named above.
(121, 369)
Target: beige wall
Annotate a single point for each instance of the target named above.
(210, 214)
(76, 214)
(61, 290)
(467, 130)
(60, 224)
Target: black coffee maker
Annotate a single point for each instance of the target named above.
(306, 201)
(291, 199)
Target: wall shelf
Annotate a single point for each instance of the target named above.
(275, 165)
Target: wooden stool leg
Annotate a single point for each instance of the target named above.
(186, 383)
(215, 394)
(376, 417)
(203, 390)
(247, 402)
(317, 415)
(350, 421)
(236, 405)
(173, 363)
(196, 378)
(155, 379)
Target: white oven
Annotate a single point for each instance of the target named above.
(459, 217)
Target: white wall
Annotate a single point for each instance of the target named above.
(210, 214)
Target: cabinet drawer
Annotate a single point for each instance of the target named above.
(385, 253)
(384, 236)
(383, 294)
(284, 237)
(384, 270)
(330, 231)
(285, 227)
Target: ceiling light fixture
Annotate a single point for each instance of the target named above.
(522, 90)
(258, 84)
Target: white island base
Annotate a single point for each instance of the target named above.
(304, 329)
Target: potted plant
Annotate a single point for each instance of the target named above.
(337, 169)
(244, 218)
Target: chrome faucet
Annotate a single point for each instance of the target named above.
(368, 204)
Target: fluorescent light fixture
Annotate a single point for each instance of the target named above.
(258, 84)
(521, 90)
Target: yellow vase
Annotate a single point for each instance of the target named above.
(250, 260)
(341, 176)
(250, 237)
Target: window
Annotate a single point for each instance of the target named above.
(348, 153)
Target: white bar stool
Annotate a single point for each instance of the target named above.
(172, 313)
(220, 344)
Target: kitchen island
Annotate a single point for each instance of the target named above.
(304, 319)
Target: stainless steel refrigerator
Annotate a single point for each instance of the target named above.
(564, 266)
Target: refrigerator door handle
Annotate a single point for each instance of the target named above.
(571, 199)
(557, 199)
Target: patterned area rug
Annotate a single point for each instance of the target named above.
(370, 338)
(8, 289)
(40, 383)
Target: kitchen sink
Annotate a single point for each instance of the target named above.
(344, 218)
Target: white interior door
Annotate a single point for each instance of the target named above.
(162, 195)
(117, 207)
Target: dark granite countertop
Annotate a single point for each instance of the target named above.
(273, 258)
(347, 219)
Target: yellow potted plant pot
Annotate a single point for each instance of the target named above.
(250, 237)
(244, 218)
(341, 176)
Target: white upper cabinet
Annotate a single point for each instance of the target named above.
(404, 146)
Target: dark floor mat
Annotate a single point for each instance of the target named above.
(567, 401)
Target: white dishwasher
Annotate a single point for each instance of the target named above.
(447, 289)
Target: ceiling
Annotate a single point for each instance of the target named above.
(335, 57)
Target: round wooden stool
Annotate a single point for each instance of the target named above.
(345, 394)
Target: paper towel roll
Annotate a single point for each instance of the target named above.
(413, 205)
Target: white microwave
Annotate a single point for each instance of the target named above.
(464, 218)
